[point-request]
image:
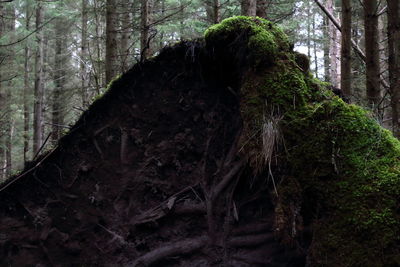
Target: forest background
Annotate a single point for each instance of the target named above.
(57, 56)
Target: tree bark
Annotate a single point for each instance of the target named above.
(9, 63)
(394, 61)
(345, 52)
(84, 43)
(125, 19)
(315, 48)
(27, 88)
(59, 78)
(39, 88)
(111, 40)
(144, 29)
(372, 52)
(249, 7)
(216, 12)
(97, 61)
(326, 50)
(3, 102)
(333, 47)
(261, 10)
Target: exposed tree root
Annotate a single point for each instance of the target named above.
(252, 229)
(251, 240)
(171, 249)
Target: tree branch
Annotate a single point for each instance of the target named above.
(27, 36)
(357, 49)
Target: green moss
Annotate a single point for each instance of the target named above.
(344, 168)
(104, 91)
(351, 165)
(263, 39)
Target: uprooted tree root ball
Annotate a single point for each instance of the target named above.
(217, 152)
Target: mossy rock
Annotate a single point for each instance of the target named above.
(345, 166)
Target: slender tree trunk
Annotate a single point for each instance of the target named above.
(249, 7)
(334, 47)
(394, 61)
(59, 79)
(125, 18)
(372, 52)
(182, 18)
(27, 88)
(326, 49)
(161, 35)
(10, 26)
(213, 11)
(84, 43)
(345, 52)
(262, 8)
(97, 62)
(144, 29)
(39, 89)
(216, 12)
(308, 7)
(315, 48)
(111, 40)
(3, 101)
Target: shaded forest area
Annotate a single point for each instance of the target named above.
(57, 57)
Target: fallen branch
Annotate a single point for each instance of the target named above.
(160, 210)
(185, 246)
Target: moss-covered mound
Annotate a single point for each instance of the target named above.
(342, 169)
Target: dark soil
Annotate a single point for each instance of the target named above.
(150, 175)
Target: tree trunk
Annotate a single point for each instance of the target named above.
(394, 62)
(3, 102)
(261, 10)
(111, 41)
(249, 7)
(39, 88)
(27, 89)
(315, 48)
(216, 12)
(10, 63)
(125, 19)
(59, 79)
(333, 47)
(326, 49)
(162, 33)
(144, 29)
(98, 65)
(308, 42)
(345, 52)
(372, 52)
(84, 43)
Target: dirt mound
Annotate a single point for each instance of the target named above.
(217, 152)
(150, 173)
